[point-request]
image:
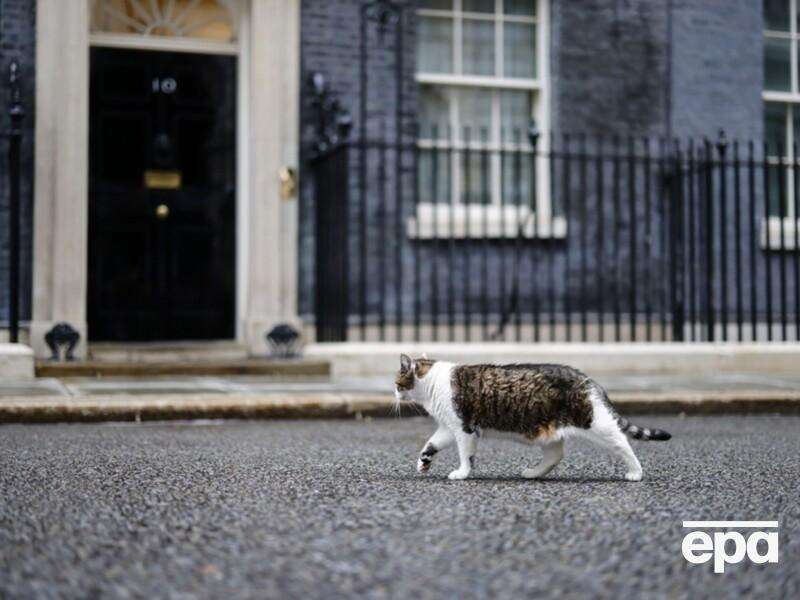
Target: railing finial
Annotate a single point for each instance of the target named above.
(385, 13)
(333, 123)
(533, 133)
(15, 109)
(722, 142)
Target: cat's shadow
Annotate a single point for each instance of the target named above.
(549, 480)
(521, 480)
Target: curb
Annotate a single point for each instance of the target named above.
(60, 409)
(200, 406)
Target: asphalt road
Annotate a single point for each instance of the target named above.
(335, 508)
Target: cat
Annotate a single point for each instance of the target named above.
(541, 403)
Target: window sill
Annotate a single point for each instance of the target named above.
(475, 221)
(790, 229)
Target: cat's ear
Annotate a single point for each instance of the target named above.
(405, 363)
(425, 355)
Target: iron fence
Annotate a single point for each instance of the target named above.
(14, 136)
(558, 238)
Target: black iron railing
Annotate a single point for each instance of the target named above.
(561, 238)
(14, 135)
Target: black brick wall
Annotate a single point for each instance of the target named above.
(717, 68)
(609, 67)
(17, 42)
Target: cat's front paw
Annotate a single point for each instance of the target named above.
(423, 467)
(633, 476)
(459, 474)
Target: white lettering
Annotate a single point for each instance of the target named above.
(730, 547)
(771, 555)
(697, 541)
(721, 555)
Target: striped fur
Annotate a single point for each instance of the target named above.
(642, 433)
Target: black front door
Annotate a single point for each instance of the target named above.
(162, 196)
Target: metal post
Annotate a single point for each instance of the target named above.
(632, 239)
(566, 178)
(722, 146)
(751, 209)
(584, 237)
(434, 189)
(398, 199)
(737, 236)
(16, 113)
(615, 173)
(551, 271)
(676, 245)
(486, 200)
(691, 238)
(648, 246)
(330, 165)
(467, 199)
(516, 300)
(768, 244)
(709, 240)
(599, 167)
(533, 139)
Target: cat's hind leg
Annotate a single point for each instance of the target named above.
(553, 453)
(618, 445)
(605, 432)
(441, 439)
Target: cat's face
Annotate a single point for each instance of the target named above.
(408, 377)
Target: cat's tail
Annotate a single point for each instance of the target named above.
(634, 431)
(642, 433)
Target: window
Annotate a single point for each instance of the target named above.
(782, 100)
(482, 75)
(203, 21)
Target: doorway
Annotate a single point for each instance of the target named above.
(162, 196)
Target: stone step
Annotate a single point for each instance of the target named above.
(247, 366)
(158, 352)
(16, 361)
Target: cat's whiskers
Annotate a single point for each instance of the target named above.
(418, 409)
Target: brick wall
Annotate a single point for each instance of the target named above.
(609, 67)
(717, 72)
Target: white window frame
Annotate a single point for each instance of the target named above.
(791, 101)
(436, 220)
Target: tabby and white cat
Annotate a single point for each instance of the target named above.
(541, 403)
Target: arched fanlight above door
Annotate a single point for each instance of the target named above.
(212, 21)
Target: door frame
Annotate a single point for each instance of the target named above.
(266, 225)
